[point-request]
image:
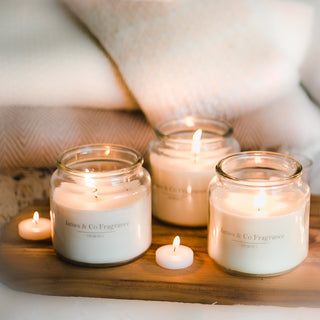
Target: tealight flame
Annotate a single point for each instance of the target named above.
(257, 160)
(259, 201)
(196, 143)
(176, 243)
(35, 218)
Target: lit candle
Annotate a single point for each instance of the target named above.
(174, 256)
(196, 144)
(259, 201)
(259, 216)
(35, 228)
(101, 205)
(182, 164)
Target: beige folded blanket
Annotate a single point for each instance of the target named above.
(48, 59)
(232, 59)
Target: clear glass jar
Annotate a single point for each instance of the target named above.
(182, 162)
(259, 214)
(100, 205)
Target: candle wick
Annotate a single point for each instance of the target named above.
(95, 193)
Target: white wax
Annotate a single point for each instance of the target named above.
(267, 241)
(30, 230)
(180, 258)
(180, 187)
(103, 229)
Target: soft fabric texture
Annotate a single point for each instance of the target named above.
(290, 121)
(35, 136)
(222, 57)
(310, 69)
(58, 88)
(241, 60)
(48, 59)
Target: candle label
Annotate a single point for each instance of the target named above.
(102, 236)
(251, 240)
(96, 229)
(172, 192)
(180, 189)
(258, 245)
(180, 206)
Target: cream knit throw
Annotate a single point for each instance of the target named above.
(232, 59)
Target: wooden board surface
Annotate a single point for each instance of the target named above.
(34, 267)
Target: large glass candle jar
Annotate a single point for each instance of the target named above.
(100, 205)
(259, 214)
(182, 162)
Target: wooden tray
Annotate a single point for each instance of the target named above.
(34, 267)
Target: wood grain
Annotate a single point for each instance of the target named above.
(34, 267)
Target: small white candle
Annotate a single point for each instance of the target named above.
(35, 228)
(174, 256)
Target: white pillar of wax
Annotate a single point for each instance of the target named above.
(259, 241)
(99, 227)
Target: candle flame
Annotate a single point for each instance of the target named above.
(108, 150)
(189, 121)
(259, 201)
(88, 179)
(196, 141)
(35, 218)
(176, 243)
(89, 183)
(257, 160)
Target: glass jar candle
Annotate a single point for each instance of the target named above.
(100, 205)
(182, 160)
(259, 214)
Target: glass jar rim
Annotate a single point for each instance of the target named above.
(117, 151)
(167, 128)
(255, 155)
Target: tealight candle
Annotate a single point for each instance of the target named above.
(35, 228)
(182, 161)
(174, 256)
(259, 214)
